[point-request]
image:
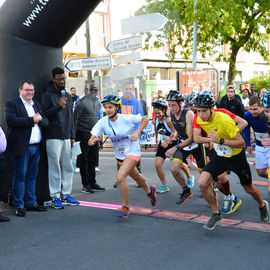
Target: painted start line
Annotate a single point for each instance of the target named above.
(226, 222)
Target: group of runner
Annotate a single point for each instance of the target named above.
(180, 134)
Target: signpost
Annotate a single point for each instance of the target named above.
(128, 71)
(125, 44)
(143, 23)
(89, 63)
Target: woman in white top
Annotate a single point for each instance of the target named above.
(125, 140)
(245, 99)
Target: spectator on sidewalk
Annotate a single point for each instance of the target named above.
(160, 95)
(58, 106)
(73, 94)
(86, 115)
(24, 120)
(143, 102)
(3, 145)
(262, 92)
(245, 99)
(232, 102)
(253, 91)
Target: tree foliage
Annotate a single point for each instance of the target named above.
(241, 24)
(261, 82)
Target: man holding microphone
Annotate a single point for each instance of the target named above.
(58, 106)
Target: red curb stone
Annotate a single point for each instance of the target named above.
(175, 215)
(254, 226)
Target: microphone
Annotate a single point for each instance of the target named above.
(63, 92)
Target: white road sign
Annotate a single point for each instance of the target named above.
(121, 59)
(125, 44)
(143, 23)
(128, 71)
(89, 63)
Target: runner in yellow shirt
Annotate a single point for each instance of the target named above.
(224, 136)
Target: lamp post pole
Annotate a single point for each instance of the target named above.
(195, 29)
(88, 47)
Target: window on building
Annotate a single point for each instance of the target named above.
(258, 73)
(157, 73)
(222, 75)
(172, 74)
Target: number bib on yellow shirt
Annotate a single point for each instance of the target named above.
(223, 150)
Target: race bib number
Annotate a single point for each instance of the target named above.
(190, 147)
(259, 136)
(122, 149)
(122, 144)
(223, 150)
(164, 138)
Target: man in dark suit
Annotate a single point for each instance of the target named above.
(24, 119)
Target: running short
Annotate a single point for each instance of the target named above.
(237, 164)
(161, 150)
(262, 157)
(137, 158)
(198, 153)
(210, 153)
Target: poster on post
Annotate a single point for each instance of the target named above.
(148, 135)
(197, 80)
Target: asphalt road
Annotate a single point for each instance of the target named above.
(95, 238)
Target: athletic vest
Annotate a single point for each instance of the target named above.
(180, 125)
(163, 128)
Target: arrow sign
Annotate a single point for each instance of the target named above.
(125, 44)
(79, 64)
(143, 23)
(128, 71)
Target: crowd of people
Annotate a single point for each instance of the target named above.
(216, 135)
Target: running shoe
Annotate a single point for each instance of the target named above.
(236, 203)
(152, 196)
(190, 181)
(56, 203)
(187, 194)
(124, 212)
(163, 189)
(215, 188)
(227, 207)
(213, 221)
(264, 211)
(69, 201)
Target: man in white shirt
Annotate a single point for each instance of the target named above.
(24, 119)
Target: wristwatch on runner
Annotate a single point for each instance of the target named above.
(177, 146)
(221, 141)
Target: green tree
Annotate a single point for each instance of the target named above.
(261, 82)
(241, 24)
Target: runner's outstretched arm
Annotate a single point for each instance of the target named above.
(142, 125)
